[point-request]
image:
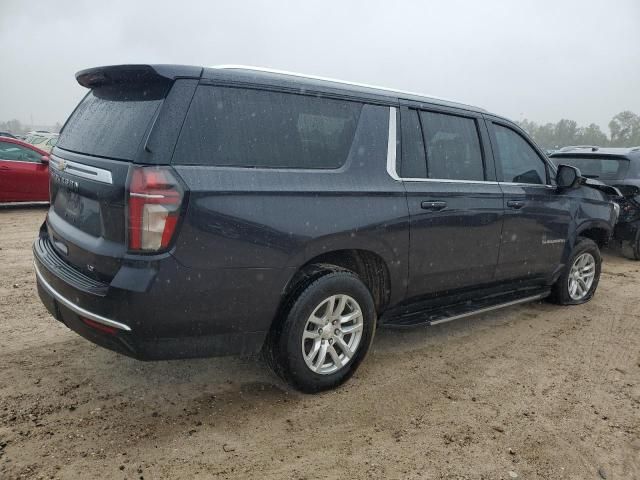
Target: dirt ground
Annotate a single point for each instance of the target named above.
(534, 391)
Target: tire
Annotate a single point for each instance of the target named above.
(292, 358)
(562, 292)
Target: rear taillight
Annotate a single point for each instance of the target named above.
(154, 201)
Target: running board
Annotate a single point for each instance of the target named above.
(455, 312)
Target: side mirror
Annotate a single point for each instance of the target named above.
(44, 159)
(567, 177)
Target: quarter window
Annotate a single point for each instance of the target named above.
(453, 147)
(518, 160)
(253, 128)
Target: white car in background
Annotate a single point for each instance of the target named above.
(44, 141)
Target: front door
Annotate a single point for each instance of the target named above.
(536, 220)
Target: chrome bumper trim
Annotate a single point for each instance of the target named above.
(75, 308)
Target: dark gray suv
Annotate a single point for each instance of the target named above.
(208, 211)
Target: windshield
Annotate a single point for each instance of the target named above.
(602, 168)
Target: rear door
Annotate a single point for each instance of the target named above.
(23, 175)
(455, 204)
(536, 220)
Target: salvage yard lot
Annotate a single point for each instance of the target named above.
(535, 391)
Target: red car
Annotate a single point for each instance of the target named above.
(24, 172)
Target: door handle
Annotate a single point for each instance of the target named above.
(435, 206)
(4, 167)
(515, 204)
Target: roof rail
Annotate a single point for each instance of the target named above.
(335, 80)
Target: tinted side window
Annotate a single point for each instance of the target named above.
(253, 128)
(453, 147)
(11, 151)
(518, 160)
(414, 163)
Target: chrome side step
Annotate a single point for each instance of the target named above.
(491, 308)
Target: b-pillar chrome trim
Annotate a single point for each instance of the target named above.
(392, 145)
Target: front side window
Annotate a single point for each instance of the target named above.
(453, 147)
(517, 159)
(11, 151)
(262, 129)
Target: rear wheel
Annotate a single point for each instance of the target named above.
(579, 281)
(326, 332)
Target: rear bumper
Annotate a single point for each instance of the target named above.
(184, 312)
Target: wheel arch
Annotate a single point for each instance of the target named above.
(370, 267)
(597, 230)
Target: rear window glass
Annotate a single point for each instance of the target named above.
(596, 167)
(253, 128)
(453, 147)
(112, 120)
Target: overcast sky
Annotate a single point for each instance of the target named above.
(540, 59)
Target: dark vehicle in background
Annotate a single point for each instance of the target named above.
(208, 211)
(620, 168)
(7, 135)
(24, 172)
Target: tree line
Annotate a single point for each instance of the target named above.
(624, 131)
(18, 128)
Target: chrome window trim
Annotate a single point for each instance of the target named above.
(450, 180)
(392, 160)
(392, 163)
(23, 161)
(75, 308)
(535, 185)
(392, 145)
(81, 170)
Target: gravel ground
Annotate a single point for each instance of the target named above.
(535, 391)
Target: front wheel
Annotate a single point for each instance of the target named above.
(325, 334)
(579, 281)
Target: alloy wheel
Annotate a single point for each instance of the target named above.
(581, 276)
(332, 334)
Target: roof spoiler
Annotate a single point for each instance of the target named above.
(118, 74)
